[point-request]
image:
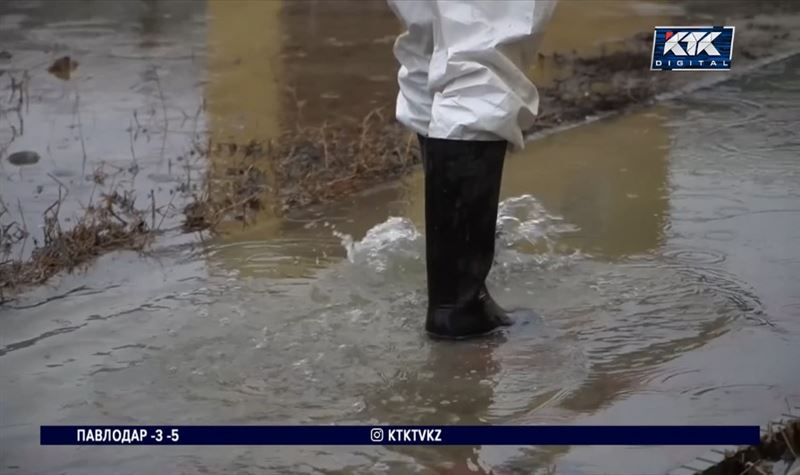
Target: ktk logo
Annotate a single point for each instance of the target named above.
(696, 42)
(692, 48)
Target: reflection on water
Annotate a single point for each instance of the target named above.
(128, 109)
(337, 58)
(609, 180)
(663, 264)
(244, 89)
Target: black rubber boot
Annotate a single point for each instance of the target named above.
(462, 189)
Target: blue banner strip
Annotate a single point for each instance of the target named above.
(399, 435)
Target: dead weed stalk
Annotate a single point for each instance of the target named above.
(303, 166)
(111, 224)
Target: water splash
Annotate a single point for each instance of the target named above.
(393, 240)
(523, 225)
(524, 220)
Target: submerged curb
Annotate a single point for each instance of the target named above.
(779, 437)
(717, 78)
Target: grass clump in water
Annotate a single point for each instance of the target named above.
(114, 223)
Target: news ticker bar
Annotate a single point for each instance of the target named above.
(399, 435)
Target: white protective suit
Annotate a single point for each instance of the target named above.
(463, 65)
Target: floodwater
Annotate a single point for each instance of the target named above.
(661, 250)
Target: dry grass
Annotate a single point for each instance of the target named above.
(12, 108)
(114, 223)
(304, 166)
(587, 86)
(318, 164)
(779, 443)
(234, 187)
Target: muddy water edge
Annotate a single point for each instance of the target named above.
(664, 270)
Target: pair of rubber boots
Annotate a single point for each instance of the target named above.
(462, 189)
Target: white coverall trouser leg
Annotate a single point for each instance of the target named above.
(463, 65)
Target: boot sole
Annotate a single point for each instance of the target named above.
(471, 336)
(520, 317)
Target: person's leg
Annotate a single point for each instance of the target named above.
(482, 102)
(482, 49)
(462, 187)
(413, 49)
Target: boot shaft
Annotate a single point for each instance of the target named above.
(462, 190)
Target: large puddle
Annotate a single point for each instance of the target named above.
(661, 250)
